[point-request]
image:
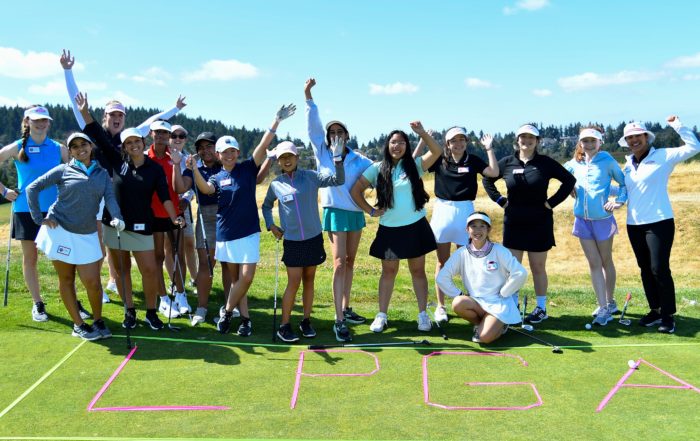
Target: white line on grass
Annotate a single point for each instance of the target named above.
(41, 380)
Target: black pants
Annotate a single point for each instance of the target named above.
(652, 247)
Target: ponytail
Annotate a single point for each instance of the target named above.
(22, 155)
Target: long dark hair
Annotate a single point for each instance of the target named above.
(385, 186)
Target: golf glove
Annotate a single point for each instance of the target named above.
(337, 147)
(285, 112)
(118, 224)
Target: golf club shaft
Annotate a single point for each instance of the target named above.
(204, 231)
(123, 287)
(9, 248)
(624, 307)
(176, 256)
(277, 279)
(537, 339)
(369, 345)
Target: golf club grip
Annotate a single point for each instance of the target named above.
(319, 347)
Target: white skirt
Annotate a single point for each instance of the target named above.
(449, 221)
(76, 249)
(243, 250)
(503, 308)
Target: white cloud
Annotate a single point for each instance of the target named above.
(17, 64)
(590, 80)
(527, 5)
(392, 89)
(687, 61)
(691, 77)
(541, 92)
(58, 87)
(478, 83)
(222, 70)
(154, 76)
(11, 102)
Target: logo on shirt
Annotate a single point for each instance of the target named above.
(491, 265)
(63, 250)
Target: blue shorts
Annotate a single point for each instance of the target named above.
(335, 219)
(598, 229)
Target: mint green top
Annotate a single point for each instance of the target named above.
(404, 210)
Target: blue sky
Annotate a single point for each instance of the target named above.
(488, 65)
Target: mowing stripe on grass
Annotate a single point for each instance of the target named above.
(41, 380)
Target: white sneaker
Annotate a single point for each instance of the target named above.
(105, 298)
(181, 301)
(424, 322)
(199, 316)
(111, 286)
(39, 312)
(441, 314)
(222, 312)
(167, 308)
(379, 323)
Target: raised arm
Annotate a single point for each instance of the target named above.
(316, 131)
(67, 63)
(434, 149)
(179, 184)
(264, 170)
(691, 144)
(260, 151)
(202, 185)
(492, 170)
(144, 127)
(489, 184)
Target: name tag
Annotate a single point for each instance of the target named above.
(402, 176)
(139, 227)
(518, 171)
(462, 169)
(491, 265)
(225, 182)
(34, 150)
(287, 198)
(63, 250)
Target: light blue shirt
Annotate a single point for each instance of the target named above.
(403, 211)
(593, 181)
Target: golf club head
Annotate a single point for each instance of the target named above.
(557, 350)
(528, 328)
(626, 322)
(173, 328)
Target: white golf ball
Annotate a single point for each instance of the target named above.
(588, 326)
(632, 364)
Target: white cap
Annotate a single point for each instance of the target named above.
(78, 135)
(330, 123)
(161, 125)
(37, 112)
(179, 127)
(128, 133)
(635, 128)
(226, 142)
(478, 216)
(285, 147)
(454, 131)
(590, 133)
(527, 128)
(115, 107)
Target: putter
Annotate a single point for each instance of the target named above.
(523, 325)
(555, 349)
(432, 317)
(7, 261)
(623, 320)
(369, 345)
(172, 281)
(277, 279)
(123, 280)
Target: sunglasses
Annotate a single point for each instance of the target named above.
(176, 136)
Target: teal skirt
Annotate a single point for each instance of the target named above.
(335, 219)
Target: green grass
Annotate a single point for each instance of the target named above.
(198, 366)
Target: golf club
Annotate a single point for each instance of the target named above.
(176, 256)
(204, 232)
(369, 345)
(123, 287)
(7, 261)
(623, 320)
(277, 279)
(432, 317)
(523, 325)
(555, 349)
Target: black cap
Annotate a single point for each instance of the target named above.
(205, 136)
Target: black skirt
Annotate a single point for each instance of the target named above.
(528, 228)
(301, 253)
(407, 242)
(23, 226)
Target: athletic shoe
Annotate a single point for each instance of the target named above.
(380, 323)
(353, 317)
(668, 325)
(86, 332)
(100, 326)
(306, 329)
(111, 286)
(167, 308)
(538, 315)
(105, 298)
(424, 323)
(224, 324)
(39, 312)
(129, 319)
(475, 337)
(612, 309)
(84, 313)
(441, 314)
(286, 334)
(603, 317)
(235, 313)
(651, 319)
(245, 329)
(342, 333)
(505, 329)
(153, 321)
(199, 316)
(181, 301)
(595, 311)
(193, 283)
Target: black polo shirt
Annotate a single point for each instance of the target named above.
(456, 181)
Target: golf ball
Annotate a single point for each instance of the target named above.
(632, 364)
(588, 326)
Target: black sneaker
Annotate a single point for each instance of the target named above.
(100, 326)
(538, 315)
(652, 318)
(245, 328)
(286, 334)
(342, 333)
(84, 313)
(153, 321)
(668, 325)
(306, 329)
(224, 323)
(129, 318)
(353, 317)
